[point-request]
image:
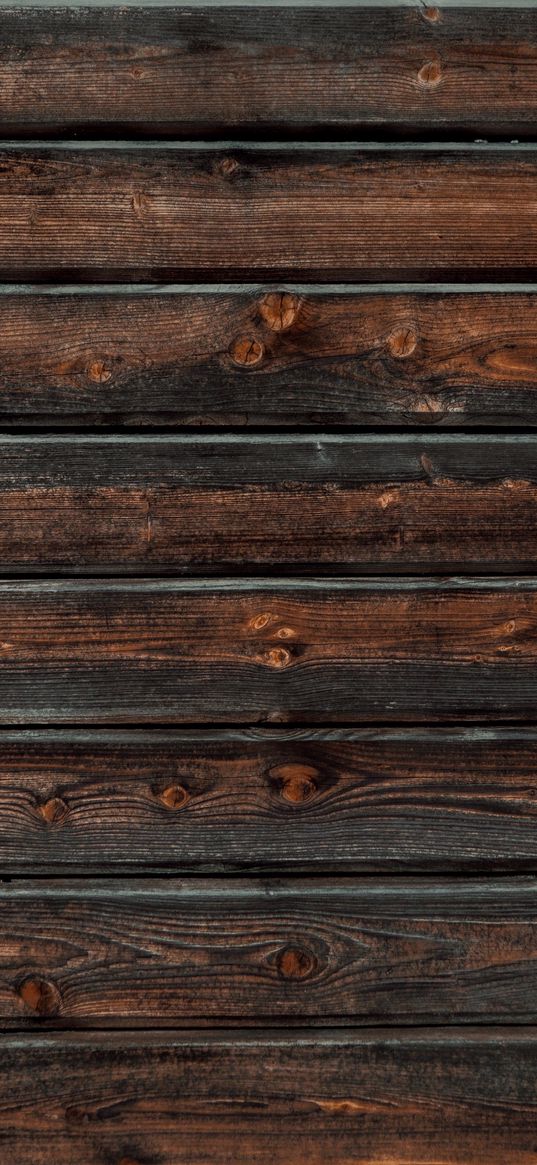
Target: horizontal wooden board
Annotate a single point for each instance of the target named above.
(240, 357)
(343, 951)
(464, 501)
(267, 213)
(286, 651)
(389, 503)
(411, 799)
(456, 1097)
(206, 70)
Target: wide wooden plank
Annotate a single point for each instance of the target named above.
(240, 357)
(267, 213)
(285, 651)
(456, 1097)
(411, 799)
(343, 951)
(388, 503)
(205, 71)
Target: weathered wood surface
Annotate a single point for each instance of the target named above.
(282, 212)
(209, 71)
(279, 357)
(455, 1097)
(413, 799)
(289, 651)
(343, 951)
(389, 503)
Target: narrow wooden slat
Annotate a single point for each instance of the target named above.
(205, 70)
(280, 212)
(392, 503)
(280, 357)
(288, 651)
(414, 799)
(407, 1097)
(343, 951)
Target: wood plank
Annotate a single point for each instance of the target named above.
(206, 70)
(455, 1097)
(343, 951)
(267, 213)
(414, 799)
(305, 357)
(389, 503)
(286, 651)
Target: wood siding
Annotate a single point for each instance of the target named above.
(268, 583)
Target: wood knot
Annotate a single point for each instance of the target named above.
(260, 621)
(54, 811)
(431, 14)
(402, 342)
(227, 167)
(295, 963)
(278, 657)
(174, 797)
(298, 783)
(279, 310)
(247, 351)
(40, 996)
(99, 373)
(430, 74)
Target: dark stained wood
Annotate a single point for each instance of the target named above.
(343, 951)
(388, 503)
(280, 212)
(453, 1097)
(215, 71)
(413, 799)
(285, 651)
(324, 358)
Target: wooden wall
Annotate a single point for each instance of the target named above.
(268, 583)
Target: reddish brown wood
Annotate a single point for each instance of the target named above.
(157, 652)
(344, 951)
(198, 212)
(374, 359)
(198, 71)
(278, 800)
(410, 1097)
(388, 503)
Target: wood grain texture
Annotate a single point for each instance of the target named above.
(280, 212)
(312, 358)
(206, 71)
(343, 951)
(276, 800)
(454, 1097)
(389, 503)
(289, 651)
